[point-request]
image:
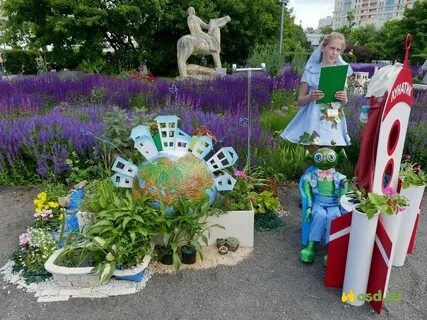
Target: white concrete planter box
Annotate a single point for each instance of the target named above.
(82, 277)
(238, 224)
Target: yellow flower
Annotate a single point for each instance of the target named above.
(53, 204)
(42, 196)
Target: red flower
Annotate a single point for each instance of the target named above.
(202, 131)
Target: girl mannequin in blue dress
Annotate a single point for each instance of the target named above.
(320, 124)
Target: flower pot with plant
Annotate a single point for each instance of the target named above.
(183, 229)
(123, 231)
(414, 180)
(251, 194)
(367, 207)
(194, 226)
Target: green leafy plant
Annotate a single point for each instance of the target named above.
(80, 169)
(269, 221)
(79, 252)
(123, 231)
(268, 54)
(370, 203)
(299, 59)
(118, 124)
(264, 201)
(284, 157)
(411, 174)
(95, 65)
(99, 195)
(192, 222)
(250, 192)
(240, 197)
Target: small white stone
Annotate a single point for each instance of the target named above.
(69, 292)
(14, 279)
(118, 292)
(92, 296)
(53, 298)
(82, 291)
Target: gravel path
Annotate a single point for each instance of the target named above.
(271, 284)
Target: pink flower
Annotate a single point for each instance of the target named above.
(416, 168)
(240, 174)
(401, 209)
(25, 239)
(389, 191)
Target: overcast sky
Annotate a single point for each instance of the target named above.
(310, 11)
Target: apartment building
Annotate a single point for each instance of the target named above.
(366, 12)
(326, 22)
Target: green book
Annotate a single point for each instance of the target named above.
(332, 79)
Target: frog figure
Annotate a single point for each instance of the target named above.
(321, 188)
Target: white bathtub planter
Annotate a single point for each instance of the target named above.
(83, 276)
(359, 256)
(409, 216)
(238, 224)
(134, 274)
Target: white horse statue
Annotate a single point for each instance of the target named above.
(201, 45)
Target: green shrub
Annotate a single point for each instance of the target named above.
(282, 98)
(273, 120)
(268, 54)
(299, 59)
(276, 120)
(349, 58)
(285, 158)
(93, 66)
(20, 61)
(269, 221)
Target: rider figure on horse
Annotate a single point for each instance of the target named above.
(195, 24)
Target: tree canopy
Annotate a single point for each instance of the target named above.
(78, 30)
(387, 43)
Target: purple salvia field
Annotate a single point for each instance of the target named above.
(44, 119)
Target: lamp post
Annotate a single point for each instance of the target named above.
(283, 3)
(249, 98)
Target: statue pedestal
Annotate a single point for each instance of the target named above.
(203, 73)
